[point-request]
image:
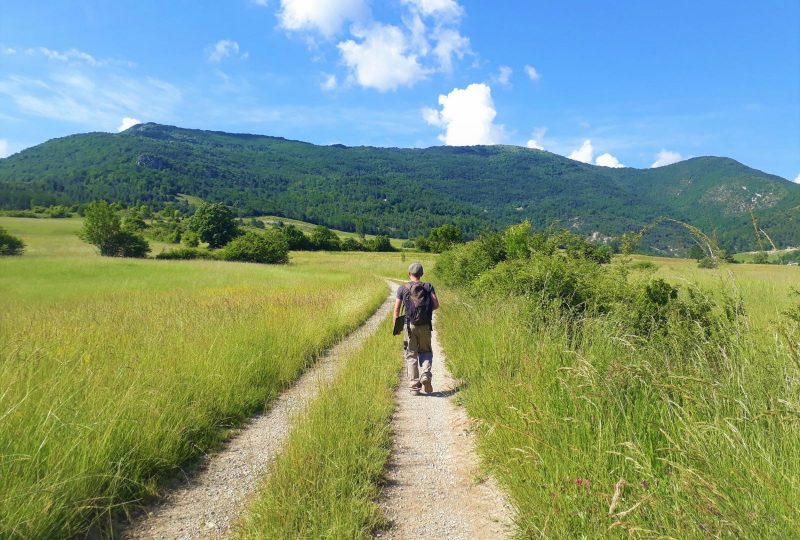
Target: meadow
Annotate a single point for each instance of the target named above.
(117, 373)
(595, 432)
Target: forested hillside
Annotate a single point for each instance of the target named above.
(402, 192)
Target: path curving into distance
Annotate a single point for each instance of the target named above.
(208, 503)
(432, 488)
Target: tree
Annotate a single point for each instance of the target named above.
(323, 238)
(190, 239)
(102, 228)
(379, 243)
(269, 247)
(444, 237)
(351, 244)
(9, 244)
(295, 238)
(215, 224)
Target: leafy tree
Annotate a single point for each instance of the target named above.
(323, 238)
(268, 247)
(214, 223)
(351, 244)
(444, 237)
(379, 243)
(102, 228)
(296, 239)
(9, 244)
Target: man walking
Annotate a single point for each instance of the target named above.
(420, 301)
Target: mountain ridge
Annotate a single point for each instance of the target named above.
(401, 191)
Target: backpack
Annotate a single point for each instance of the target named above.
(418, 301)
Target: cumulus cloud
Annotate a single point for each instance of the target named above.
(466, 116)
(585, 153)
(223, 49)
(536, 141)
(532, 73)
(797, 179)
(329, 82)
(607, 160)
(666, 157)
(382, 60)
(3, 148)
(324, 16)
(127, 122)
(503, 76)
(449, 43)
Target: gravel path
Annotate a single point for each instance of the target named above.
(205, 505)
(433, 489)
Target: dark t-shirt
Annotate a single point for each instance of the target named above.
(402, 290)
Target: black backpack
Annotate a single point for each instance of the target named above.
(418, 301)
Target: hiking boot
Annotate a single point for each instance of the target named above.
(414, 389)
(426, 384)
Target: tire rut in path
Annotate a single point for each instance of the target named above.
(208, 503)
(432, 488)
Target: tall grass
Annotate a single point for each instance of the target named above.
(325, 483)
(596, 433)
(116, 373)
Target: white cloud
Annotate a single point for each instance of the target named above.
(797, 179)
(607, 160)
(449, 43)
(666, 157)
(97, 101)
(533, 143)
(537, 140)
(437, 8)
(466, 116)
(382, 59)
(127, 122)
(324, 16)
(503, 76)
(532, 73)
(65, 56)
(3, 148)
(329, 82)
(585, 153)
(223, 49)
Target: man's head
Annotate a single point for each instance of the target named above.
(415, 270)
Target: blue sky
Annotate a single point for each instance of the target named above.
(615, 83)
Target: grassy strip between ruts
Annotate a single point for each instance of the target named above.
(325, 483)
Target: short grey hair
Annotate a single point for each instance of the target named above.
(415, 269)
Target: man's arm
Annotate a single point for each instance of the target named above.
(397, 303)
(435, 301)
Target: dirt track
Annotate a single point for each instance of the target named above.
(209, 501)
(432, 490)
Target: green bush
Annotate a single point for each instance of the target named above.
(9, 244)
(351, 244)
(102, 228)
(463, 264)
(707, 263)
(268, 247)
(296, 239)
(324, 239)
(185, 253)
(215, 224)
(190, 239)
(379, 243)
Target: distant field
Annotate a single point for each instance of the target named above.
(116, 372)
(307, 228)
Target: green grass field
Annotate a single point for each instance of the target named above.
(595, 434)
(116, 372)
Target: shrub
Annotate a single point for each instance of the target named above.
(351, 244)
(215, 224)
(463, 264)
(379, 243)
(9, 244)
(267, 247)
(322, 238)
(409, 244)
(185, 253)
(444, 237)
(102, 228)
(296, 239)
(190, 239)
(707, 262)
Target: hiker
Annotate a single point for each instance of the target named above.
(419, 300)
